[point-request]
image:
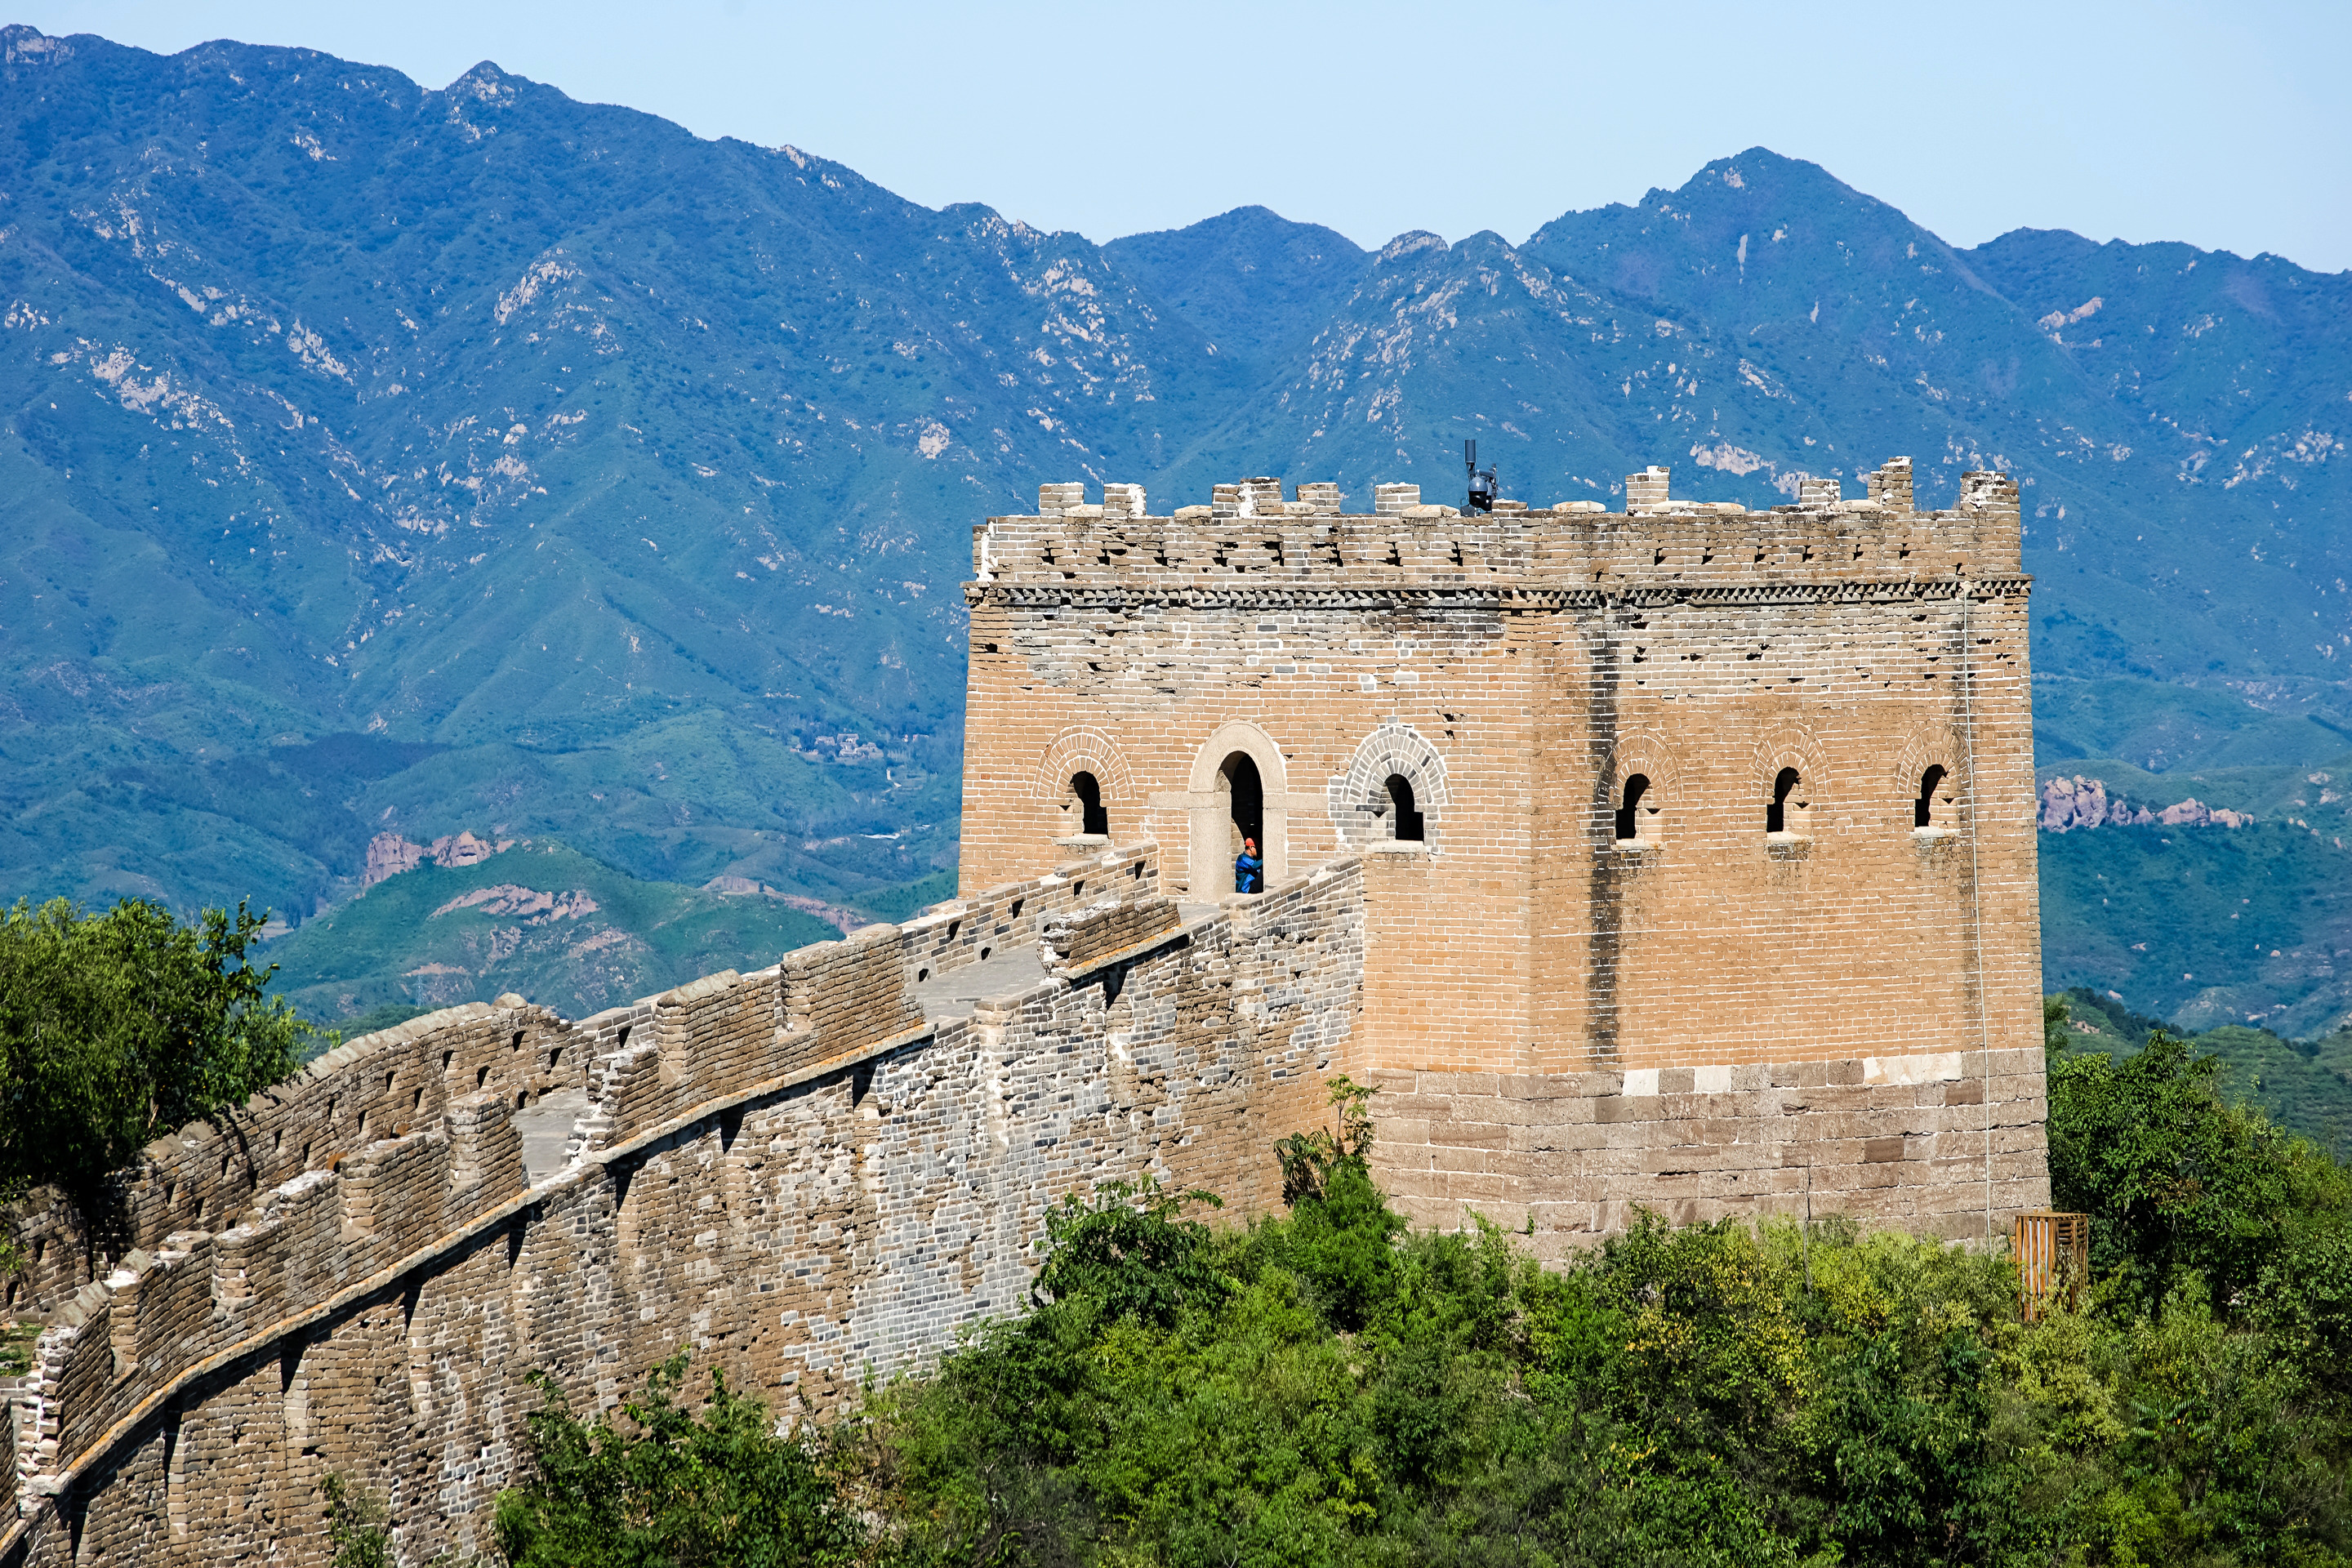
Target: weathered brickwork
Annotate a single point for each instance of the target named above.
(1680, 858)
(793, 1173)
(1904, 1140)
(373, 1087)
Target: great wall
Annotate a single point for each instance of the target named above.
(1679, 857)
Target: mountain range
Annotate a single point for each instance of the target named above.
(383, 459)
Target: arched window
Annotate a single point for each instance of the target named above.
(1923, 810)
(1628, 808)
(1094, 816)
(1776, 815)
(1403, 820)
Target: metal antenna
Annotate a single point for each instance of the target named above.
(1805, 1236)
(1482, 481)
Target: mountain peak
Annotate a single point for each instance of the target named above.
(21, 45)
(1408, 243)
(487, 82)
(1246, 279)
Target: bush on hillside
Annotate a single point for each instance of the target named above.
(660, 1483)
(2186, 1190)
(117, 1029)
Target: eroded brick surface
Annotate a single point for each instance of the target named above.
(790, 1175)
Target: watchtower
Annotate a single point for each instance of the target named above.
(1691, 797)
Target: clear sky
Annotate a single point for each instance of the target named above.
(2226, 125)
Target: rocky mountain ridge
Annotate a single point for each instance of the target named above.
(386, 459)
(2078, 801)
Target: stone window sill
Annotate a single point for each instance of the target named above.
(1932, 834)
(1788, 845)
(1636, 847)
(1398, 846)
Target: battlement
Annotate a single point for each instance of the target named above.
(800, 1169)
(1250, 535)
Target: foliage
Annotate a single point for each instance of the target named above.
(2304, 1086)
(355, 1525)
(1308, 1158)
(1326, 1387)
(1718, 1393)
(2189, 1191)
(118, 1027)
(1129, 1250)
(16, 1341)
(663, 1484)
(2056, 1012)
(2176, 1179)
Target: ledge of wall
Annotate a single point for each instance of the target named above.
(730, 1065)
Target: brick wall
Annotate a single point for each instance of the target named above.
(1516, 669)
(371, 1087)
(789, 1172)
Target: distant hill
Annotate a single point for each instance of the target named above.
(2203, 926)
(2305, 1088)
(540, 920)
(377, 458)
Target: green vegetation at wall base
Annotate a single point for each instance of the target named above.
(1326, 1387)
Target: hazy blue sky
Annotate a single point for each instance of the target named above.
(2227, 126)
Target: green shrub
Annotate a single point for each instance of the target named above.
(119, 1028)
(663, 1484)
(2175, 1179)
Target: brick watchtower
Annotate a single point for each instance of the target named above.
(1706, 830)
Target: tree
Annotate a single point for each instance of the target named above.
(1308, 1159)
(2175, 1178)
(119, 1028)
(355, 1525)
(1131, 1251)
(665, 1485)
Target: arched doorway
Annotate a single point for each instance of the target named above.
(1244, 797)
(1239, 789)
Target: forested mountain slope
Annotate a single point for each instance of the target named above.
(381, 458)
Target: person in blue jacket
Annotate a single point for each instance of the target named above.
(1246, 866)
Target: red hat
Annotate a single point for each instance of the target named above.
(1249, 842)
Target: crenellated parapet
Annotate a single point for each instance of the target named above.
(971, 928)
(376, 1087)
(803, 1173)
(159, 1315)
(1250, 537)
